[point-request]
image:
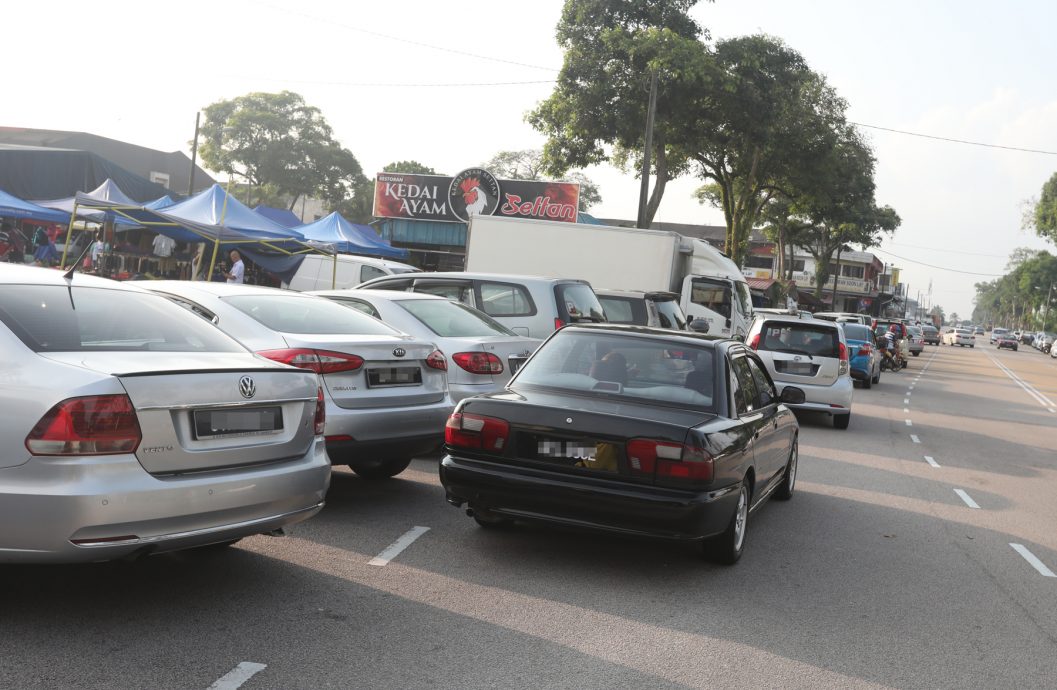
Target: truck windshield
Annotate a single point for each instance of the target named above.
(713, 295)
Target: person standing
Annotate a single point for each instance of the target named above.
(238, 269)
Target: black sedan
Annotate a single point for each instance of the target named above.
(633, 430)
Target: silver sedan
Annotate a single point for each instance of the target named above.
(386, 392)
(133, 427)
(482, 353)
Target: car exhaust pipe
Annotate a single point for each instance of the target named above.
(469, 512)
(279, 532)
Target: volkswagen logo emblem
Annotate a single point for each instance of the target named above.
(568, 420)
(399, 352)
(247, 387)
(797, 358)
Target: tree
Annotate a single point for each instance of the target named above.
(954, 318)
(937, 311)
(597, 111)
(277, 140)
(1045, 211)
(529, 165)
(409, 168)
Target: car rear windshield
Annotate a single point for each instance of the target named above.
(54, 318)
(296, 314)
(609, 365)
(854, 331)
(579, 302)
(453, 320)
(624, 310)
(670, 315)
(800, 338)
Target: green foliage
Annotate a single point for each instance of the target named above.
(597, 111)
(1045, 211)
(277, 141)
(529, 165)
(409, 168)
(1025, 297)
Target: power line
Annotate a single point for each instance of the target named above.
(941, 268)
(954, 141)
(391, 84)
(950, 251)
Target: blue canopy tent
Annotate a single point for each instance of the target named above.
(214, 217)
(160, 203)
(13, 207)
(350, 238)
(282, 216)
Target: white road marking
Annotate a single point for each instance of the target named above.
(1035, 562)
(965, 497)
(1028, 388)
(906, 409)
(910, 423)
(906, 401)
(238, 675)
(929, 460)
(394, 549)
(915, 439)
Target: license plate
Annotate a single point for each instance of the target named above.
(591, 455)
(798, 368)
(237, 422)
(394, 376)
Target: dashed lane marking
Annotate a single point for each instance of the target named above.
(914, 438)
(967, 498)
(238, 675)
(1033, 560)
(394, 549)
(929, 460)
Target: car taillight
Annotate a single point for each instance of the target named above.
(319, 361)
(865, 349)
(754, 341)
(437, 360)
(321, 411)
(93, 425)
(844, 366)
(668, 460)
(476, 432)
(558, 324)
(479, 362)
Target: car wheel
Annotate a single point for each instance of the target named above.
(972, 346)
(785, 489)
(383, 470)
(727, 547)
(877, 378)
(867, 382)
(841, 421)
(915, 353)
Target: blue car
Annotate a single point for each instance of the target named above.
(863, 355)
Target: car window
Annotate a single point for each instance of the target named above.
(294, 314)
(670, 315)
(624, 309)
(359, 305)
(53, 318)
(368, 272)
(506, 299)
(857, 332)
(765, 388)
(579, 302)
(453, 319)
(711, 294)
(800, 338)
(460, 292)
(400, 285)
(654, 371)
(745, 394)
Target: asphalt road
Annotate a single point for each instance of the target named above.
(877, 573)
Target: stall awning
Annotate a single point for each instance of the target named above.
(761, 284)
(350, 238)
(283, 216)
(13, 207)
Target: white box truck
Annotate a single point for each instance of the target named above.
(710, 285)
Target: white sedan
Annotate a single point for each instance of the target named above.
(959, 336)
(482, 353)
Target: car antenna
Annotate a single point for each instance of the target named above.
(68, 275)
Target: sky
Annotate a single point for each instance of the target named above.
(391, 78)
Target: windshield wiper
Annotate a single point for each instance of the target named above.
(791, 351)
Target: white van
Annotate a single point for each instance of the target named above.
(318, 272)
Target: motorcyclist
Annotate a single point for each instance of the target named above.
(889, 344)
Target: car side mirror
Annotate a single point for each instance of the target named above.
(698, 325)
(792, 395)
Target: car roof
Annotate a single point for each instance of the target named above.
(391, 295)
(789, 318)
(220, 289)
(20, 274)
(467, 275)
(688, 337)
(656, 295)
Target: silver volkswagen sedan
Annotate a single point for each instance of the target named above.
(386, 392)
(133, 427)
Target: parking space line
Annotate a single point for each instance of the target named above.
(394, 549)
(238, 675)
(914, 438)
(929, 460)
(1033, 560)
(965, 497)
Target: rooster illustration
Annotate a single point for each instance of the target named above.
(473, 196)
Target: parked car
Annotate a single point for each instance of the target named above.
(385, 392)
(1044, 342)
(637, 308)
(1027, 338)
(881, 326)
(978, 330)
(323, 272)
(634, 430)
(844, 316)
(959, 336)
(812, 355)
(930, 334)
(482, 353)
(528, 305)
(864, 359)
(1007, 341)
(132, 427)
(916, 340)
(998, 332)
(1053, 352)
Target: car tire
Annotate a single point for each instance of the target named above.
(386, 469)
(726, 548)
(915, 353)
(877, 379)
(785, 490)
(841, 421)
(867, 382)
(972, 346)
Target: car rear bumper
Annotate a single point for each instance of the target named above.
(587, 502)
(370, 453)
(382, 427)
(834, 399)
(113, 508)
(459, 391)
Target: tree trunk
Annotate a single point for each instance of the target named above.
(661, 159)
(836, 277)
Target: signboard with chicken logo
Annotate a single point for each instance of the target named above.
(473, 191)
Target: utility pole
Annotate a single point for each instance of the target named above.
(194, 157)
(644, 186)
